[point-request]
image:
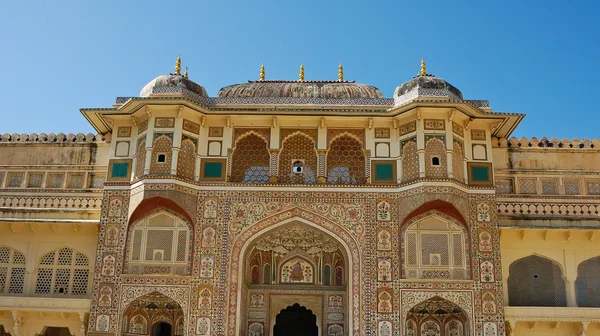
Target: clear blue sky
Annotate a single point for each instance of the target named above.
(533, 57)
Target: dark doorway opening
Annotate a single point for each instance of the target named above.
(296, 320)
(161, 329)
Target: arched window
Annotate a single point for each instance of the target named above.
(250, 160)
(346, 161)
(298, 160)
(536, 281)
(159, 244)
(435, 248)
(12, 271)
(588, 284)
(63, 272)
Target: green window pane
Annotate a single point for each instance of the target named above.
(384, 172)
(480, 174)
(119, 170)
(213, 170)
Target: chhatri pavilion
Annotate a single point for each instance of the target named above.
(299, 207)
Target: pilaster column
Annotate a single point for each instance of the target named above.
(421, 146)
(174, 159)
(571, 293)
(177, 133)
(149, 143)
(148, 161)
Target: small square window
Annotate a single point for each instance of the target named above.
(161, 158)
(435, 161)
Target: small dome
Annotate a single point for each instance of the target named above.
(172, 80)
(425, 86)
(300, 89)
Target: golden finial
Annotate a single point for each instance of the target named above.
(185, 74)
(178, 66)
(262, 72)
(423, 68)
(341, 73)
(301, 77)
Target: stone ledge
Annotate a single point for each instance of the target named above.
(44, 304)
(552, 314)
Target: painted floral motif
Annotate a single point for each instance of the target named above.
(256, 329)
(203, 326)
(384, 270)
(257, 301)
(335, 330)
(206, 265)
(204, 298)
(483, 212)
(383, 211)
(112, 236)
(488, 304)
(244, 214)
(208, 237)
(105, 299)
(115, 206)
(384, 328)
(384, 301)
(490, 329)
(485, 241)
(102, 323)
(384, 240)
(335, 302)
(487, 271)
(108, 265)
(210, 208)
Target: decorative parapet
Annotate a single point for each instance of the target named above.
(54, 138)
(548, 207)
(44, 202)
(546, 143)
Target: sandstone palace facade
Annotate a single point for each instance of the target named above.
(299, 208)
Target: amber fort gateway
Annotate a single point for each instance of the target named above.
(299, 207)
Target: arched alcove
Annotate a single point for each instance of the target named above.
(436, 316)
(588, 283)
(536, 281)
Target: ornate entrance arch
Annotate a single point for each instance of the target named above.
(243, 245)
(436, 316)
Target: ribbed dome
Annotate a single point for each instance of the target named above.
(425, 86)
(172, 80)
(300, 89)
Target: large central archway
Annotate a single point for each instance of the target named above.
(436, 317)
(295, 261)
(154, 314)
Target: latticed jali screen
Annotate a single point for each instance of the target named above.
(298, 147)
(346, 161)
(12, 271)
(536, 281)
(250, 160)
(159, 245)
(435, 249)
(588, 283)
(63, 272)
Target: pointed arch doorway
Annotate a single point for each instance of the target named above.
(296, 262)
(436, 316)
(296, 320)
